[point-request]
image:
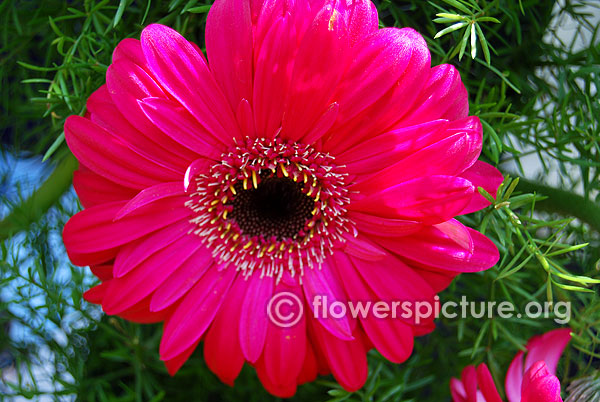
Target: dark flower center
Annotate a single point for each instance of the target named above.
(278, 208)
(272, 205)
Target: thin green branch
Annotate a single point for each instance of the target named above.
(33, 208)
(564, 202)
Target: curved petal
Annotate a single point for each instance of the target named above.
(486, 384)
(229, 48)
(325, 284)
(222, 350)
(514, 379)
(430, 199)
(285, 347)
(176, 122)
(104, 154)
(176, 285)
(195, 312)
(444, 97)
(391, 336)
(448, 157)
(375, 225)
(484, 175)
(93, 189)
(272, 76)
(547, 348)
(362, 19)
(152, 144)
(182, 71)
(431, 247)
(318, 67)
(539, 385)
(133, 253)
(253, 317)
(150, 195)
(140, 282)
(388, 71)
(347, 359)
(173, 365)
(93, 229)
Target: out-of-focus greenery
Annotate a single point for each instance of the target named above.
(535, 93)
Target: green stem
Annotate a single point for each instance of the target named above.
(564, 202)
(33, 208)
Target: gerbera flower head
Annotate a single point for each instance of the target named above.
(528, 379)
(313, 154)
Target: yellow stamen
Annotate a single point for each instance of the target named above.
(283, 170)
(254, 179)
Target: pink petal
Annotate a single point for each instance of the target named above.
(245, 118)
(180, 125)
(286, 390)
(127, 83)
(129, 49)
(376, 225)
(547, 348)
(432, 247)
(107, 156)
(539, 385)
(183, 72)
(391, 279)
(93, 229)
(444, 97)
(378, 64)
(176, 285)
(285, 347)
(363, 248)
(457, 232)
(486, 384)
(137, 284)
(347, 359)
(437, 279)
(139, 313)
(392, 337)
(253, 317)
(272, 76)
(469, 380)
(514, 379)
(448, 157)
(93, 189)
(362, 20)
(309, 368)
(173, 365)
(133, 253)
(401, 61)
(150, 195)
(195, 312)
(96, 294)
(104, 272)
(430, 200)
(222, 350)
(323, 125)
(324, 283)
(388, 148)
(457, 390)
(229, 48)
(152, 145)
(483, 175)
(318, 68)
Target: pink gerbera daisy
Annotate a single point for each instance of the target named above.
(313, 154)
(534, 381)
